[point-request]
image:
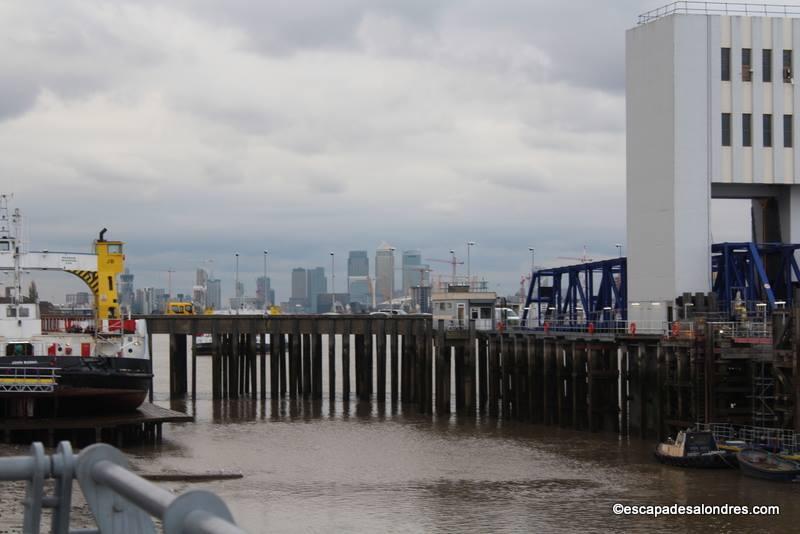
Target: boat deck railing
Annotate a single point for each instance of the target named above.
(777, 439)
(28, 379)
(120, 501)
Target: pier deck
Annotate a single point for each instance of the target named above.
(144, 424)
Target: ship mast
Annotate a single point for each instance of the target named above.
(10, 229)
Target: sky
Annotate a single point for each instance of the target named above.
(194, 130)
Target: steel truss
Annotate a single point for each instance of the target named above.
(587, 292)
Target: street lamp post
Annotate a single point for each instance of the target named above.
(619, 249)
(453, 261)
(391, 277)
(333, 284)
(533, 265)
(264, 281)
(470, 244)
(236, 283)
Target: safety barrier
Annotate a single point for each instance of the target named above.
(120, 501)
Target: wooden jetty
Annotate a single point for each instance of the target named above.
(646, 385)
(142, 425)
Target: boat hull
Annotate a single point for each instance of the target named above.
(79, 385)
(701, 461)
(767, 466)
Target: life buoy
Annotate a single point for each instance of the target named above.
(546, 327)
(501, 326)
(633, 328)
(676, 329)
(591, 328)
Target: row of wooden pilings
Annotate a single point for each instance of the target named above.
(591, 383)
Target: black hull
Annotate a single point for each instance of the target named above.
(704, 461)
(84, 385)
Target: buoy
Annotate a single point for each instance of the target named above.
(591, 328)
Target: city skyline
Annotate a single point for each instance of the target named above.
(529, 152)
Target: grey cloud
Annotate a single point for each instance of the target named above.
(16, 96)
(522, 182)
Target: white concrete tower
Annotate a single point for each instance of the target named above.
(711, 102)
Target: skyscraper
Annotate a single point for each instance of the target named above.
(384, 273)
(358, 283)
(317, 284)
(264, 292)
(299, 299)
(214, 293)
(126, 293)
(412, 265)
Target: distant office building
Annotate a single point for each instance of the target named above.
(265, 295)
(126, 292)
(412, 270)
(384, 273)
(199, 297)
(358, 263)
(360, 290)
(150, 300)
(317, 284)
(214, 293)
(358, 282)
(81, 299)
(298, 302)
(299, 283)
(201, 277)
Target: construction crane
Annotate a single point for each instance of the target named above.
(452, 261)
(582, 259)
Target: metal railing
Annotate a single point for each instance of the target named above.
(776, 439)
(719, 8)
(753, 330)
(72, 324)
(28, 379)
(667, 329)
(119, 500)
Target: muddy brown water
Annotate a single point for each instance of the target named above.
(357, 467)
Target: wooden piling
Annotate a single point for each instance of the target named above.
(394, 361)
(380, 355)
(469, 370)
(346, 364)
(332, 361)
(316, 364)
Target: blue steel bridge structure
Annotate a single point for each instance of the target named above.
(595, 292)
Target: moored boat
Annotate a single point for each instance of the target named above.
(692, 448)
(763, 464)
(69, 365)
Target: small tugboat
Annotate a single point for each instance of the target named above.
(759, 463)
(692, 448)
(60, 365)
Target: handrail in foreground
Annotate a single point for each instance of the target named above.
(120, 500)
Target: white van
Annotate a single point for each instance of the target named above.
(507, 316)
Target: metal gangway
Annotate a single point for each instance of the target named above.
(120, 501)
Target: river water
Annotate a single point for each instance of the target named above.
(355, 467)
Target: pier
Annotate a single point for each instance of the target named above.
(594, 379)
(141, 426)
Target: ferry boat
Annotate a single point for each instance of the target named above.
(68, 365)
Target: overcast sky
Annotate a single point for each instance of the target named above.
(197, 129)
